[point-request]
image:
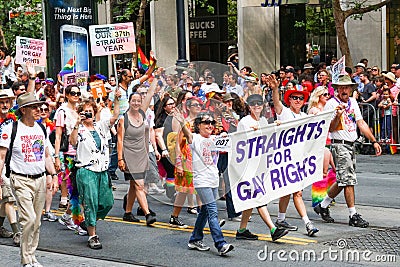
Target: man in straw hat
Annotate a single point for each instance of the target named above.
(7, 199)
(28, 163)
(346, 118)
(295, 100)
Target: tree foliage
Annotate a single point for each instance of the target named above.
(27, 21)
(353, 9)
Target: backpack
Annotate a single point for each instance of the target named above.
(9, 151)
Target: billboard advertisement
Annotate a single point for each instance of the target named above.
(67, 35)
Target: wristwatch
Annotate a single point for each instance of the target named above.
(32, 78)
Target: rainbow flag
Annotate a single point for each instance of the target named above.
(70, 67)
(320, 189)
(143, 63)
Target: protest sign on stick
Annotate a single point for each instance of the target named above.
(112, 39)
(30, 50)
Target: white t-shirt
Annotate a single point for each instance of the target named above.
(65, 117)
(287, 114)
(87, 154)
(124, 98)
(28, 151)
(247, 123)
(205, 158)
(351, 115)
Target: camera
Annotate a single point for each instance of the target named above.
(88, 115)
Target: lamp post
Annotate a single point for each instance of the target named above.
(180, 15)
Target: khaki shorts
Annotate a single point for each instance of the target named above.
(7, 195)
(345, 162)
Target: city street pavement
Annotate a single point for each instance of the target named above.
(129, 244)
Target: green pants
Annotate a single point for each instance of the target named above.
(95, 194)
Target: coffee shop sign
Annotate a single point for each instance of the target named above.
(200, 29)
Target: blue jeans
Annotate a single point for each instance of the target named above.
(208, 212)
(228, 198)
(112, 168)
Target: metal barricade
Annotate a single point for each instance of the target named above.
(371, 117)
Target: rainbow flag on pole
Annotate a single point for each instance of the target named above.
(143, 63)
(70, 67)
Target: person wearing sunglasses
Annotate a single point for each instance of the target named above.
(44, 112)
(295, 100)
(65, 120)
(256, 121)
(90, 138)
(205, 180)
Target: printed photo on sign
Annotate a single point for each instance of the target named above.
(74, 49)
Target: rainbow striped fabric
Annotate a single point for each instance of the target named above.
(320, 189)
(70, 67)
(143, 63)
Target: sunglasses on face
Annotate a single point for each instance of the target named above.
(34, 107)
(325, 94)
(254, 103)
(73, 93)
(143, 93)
(44, 110)
(374, 70)
(294, 97)
(170, 104)
(212, 122)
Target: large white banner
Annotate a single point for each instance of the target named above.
(276, 160)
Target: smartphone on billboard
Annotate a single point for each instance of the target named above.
(74, 43)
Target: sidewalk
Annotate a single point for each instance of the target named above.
(10, 258)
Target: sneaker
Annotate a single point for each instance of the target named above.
(113, 187)
(62, 206)
(311, 230)
(140, 212)
(37, 264)
(27, 265)
(17, 238)
(176, 222)
(246, 235)
(357, 221)
(94, 243)
(221, 222)
(192, 210)
(150, 219)
(225, 249)
(66, 220)
(5, 233)
(199, 245)
(154, 190)
(333, 202)
(279, 232)
(128, 217)
(236, 219)
(285, 225)
(49, 216)
(324, 212)
(80, 231)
